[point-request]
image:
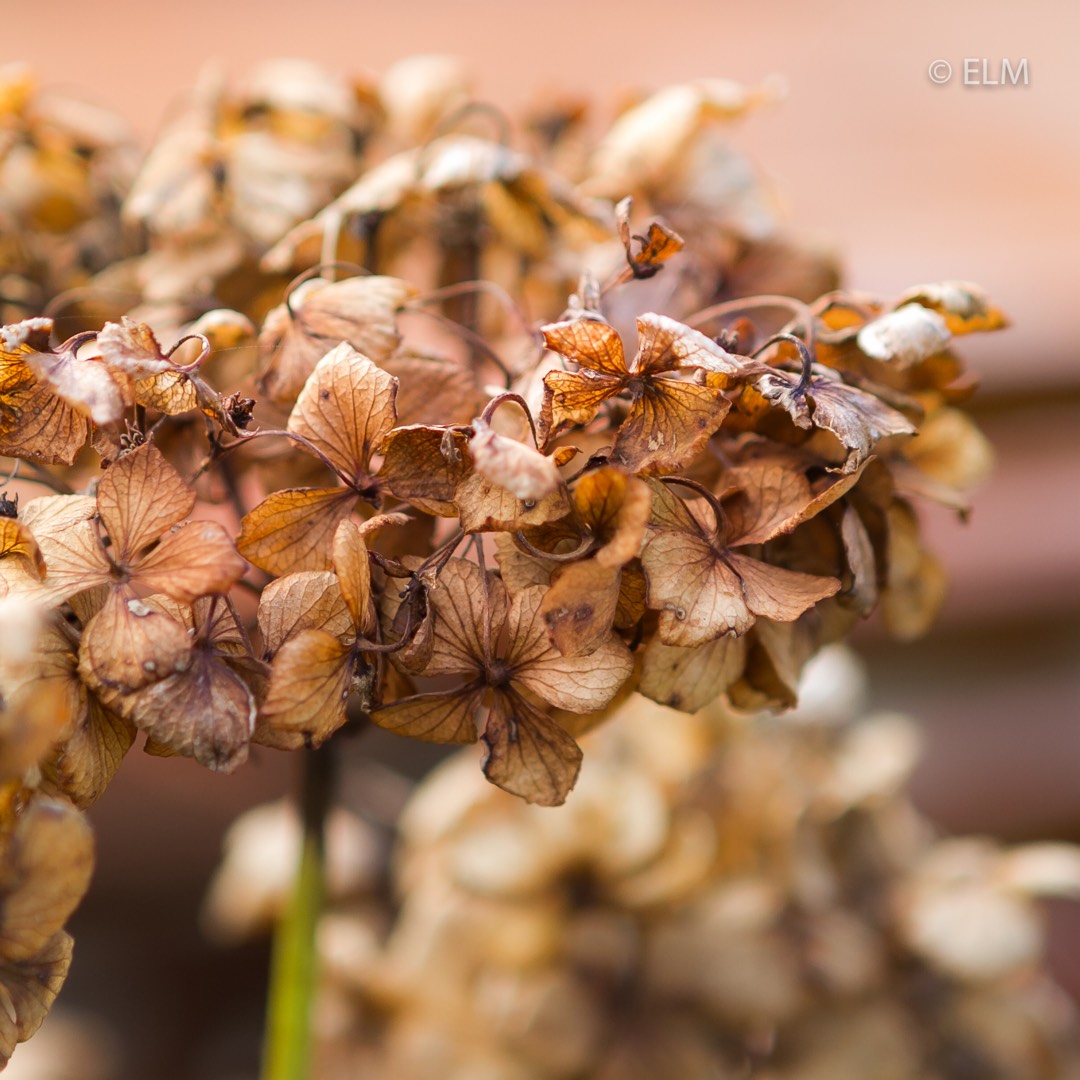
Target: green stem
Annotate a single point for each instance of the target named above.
(294, 963)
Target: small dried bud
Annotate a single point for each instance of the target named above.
(239, 409)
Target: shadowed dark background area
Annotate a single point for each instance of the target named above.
(913, 182)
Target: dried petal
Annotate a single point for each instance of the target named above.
(29, 990)
(485, 506)
(668, 425)
(318, 316)
(424, 465)
(689, 679)
(34, 423)
(856, 418)
(292, 530)
(192, 561)
(310, 600)
(576, 683)
(345, 409)
(512, 465)
(139, 497)
(904, 337)
(965, 307)
(46, 872)
(310, 680)
(438, 718)
(459, 604)
(529, 754)
(128, 645)
(132, 348)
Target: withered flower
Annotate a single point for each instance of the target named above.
(500, 648)
(319, 632)
(342, 414)
(819, 398)
(658, 245)
(597, 590)
(116, 544)
(206, 708)
(670, 419)
(491, 482)
(698, 579)
(48, 397)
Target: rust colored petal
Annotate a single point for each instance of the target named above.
(128, 645)
(361, 311)
(353, 569)
(34, 716)
(171, 392)
(45, 873)
(310, 680)
(206, 712)
(698, 595)
(438, 718)
(774, 497)
(433, 390)
(194, 560)
(573, 397)
(85, 763)
(485, 506)
(668, 425)
(689, 679)
(628, 530)
(310, 600)
(528, 753)
(458, 600)
(293, 529)
(29, 990)
(34, 423)
(592, 344)
(580, 606)
(576, 683)
(424, 465)
(667, 345)
(345, 408)
(779, 594)
(68, 540)
(17, 541)
(139, 497)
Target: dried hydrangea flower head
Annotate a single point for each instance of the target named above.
(492, 446)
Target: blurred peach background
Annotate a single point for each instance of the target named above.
(912, 181)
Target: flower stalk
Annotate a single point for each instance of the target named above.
(294, 960)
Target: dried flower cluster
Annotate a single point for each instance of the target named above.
(322, 358)
(719, 899)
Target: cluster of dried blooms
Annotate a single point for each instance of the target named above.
(721, 898)
(326, 439)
